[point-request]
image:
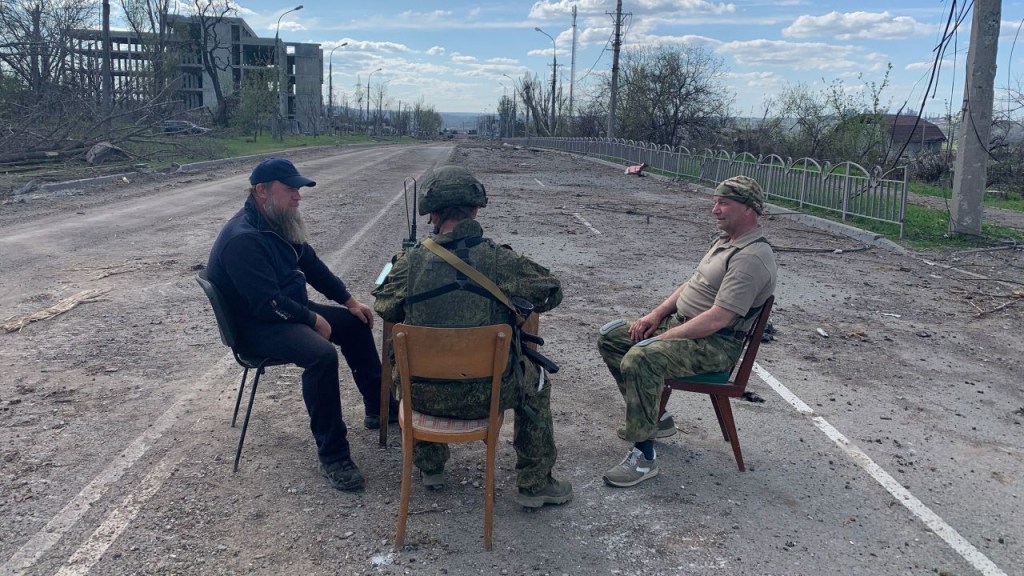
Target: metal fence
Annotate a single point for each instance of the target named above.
(846, 188)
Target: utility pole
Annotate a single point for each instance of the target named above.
(572, 71)
(970, 168)
(108, 79)
(616, 46)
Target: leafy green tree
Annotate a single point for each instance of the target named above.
(257, 102)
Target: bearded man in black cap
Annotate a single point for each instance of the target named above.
(261, 262)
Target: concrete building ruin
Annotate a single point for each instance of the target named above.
(292, 70)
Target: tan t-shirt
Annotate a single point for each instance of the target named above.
(747, 283)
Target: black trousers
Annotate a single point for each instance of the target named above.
(302, 346)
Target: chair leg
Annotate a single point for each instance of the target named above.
(718, 414)
(722, 404)
(248, 412)
(665, 393)
(238, 398)
(403, 500)
(492, 449)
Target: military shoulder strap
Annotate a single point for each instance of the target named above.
(469, 271)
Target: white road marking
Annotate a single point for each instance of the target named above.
(33, 550)
(932, 520)
(585, 223)
(110, 530)
(117, 520)
(539, 182)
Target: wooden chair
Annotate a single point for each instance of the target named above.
(721, 386)
(387, 387)
(451, 354)
(228, 335)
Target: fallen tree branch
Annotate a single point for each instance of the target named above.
(1006, 304)
(16, 324)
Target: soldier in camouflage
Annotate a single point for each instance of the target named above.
(423, 290)
(699, 328)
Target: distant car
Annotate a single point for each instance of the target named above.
(181, 127)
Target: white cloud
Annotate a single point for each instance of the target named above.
(927, 65)
(791, 55)
(436, 51)
(862, 25)
(548, 9)
(462, 58)
(387, 47)
(510, 61)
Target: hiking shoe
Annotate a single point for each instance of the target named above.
(666, 428)
(633, 469)
(343, 475)
(555, 492)
(372, 421)
(435, 481)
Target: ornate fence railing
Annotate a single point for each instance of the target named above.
(846, 188)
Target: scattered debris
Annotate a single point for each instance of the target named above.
(752, 397)
(637, 169)
(924, 334)
(822, 333)
(891, 315)
(14, 324)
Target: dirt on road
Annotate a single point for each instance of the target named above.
(889, 440)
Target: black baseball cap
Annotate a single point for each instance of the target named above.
(281, 170)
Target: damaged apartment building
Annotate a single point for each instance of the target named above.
(291, 71)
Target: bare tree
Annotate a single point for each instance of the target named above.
(671, 95)
(426, 122)
(213, 49)
(148, 20)
(36, 41)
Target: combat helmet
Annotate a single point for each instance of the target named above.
(450, 186)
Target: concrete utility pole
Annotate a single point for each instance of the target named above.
(970, 168)
(616, 45)
(572, 71)
(108, 78)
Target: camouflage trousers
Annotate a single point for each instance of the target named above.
(533, 439)
(640, 368)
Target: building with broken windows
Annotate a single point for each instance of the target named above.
(205, 63)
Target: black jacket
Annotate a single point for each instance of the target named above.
(263, 276)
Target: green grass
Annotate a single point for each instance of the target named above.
(924, 228)
(1012, 201)
(187, 149)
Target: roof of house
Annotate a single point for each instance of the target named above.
(911, 128)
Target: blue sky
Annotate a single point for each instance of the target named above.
(455, 55)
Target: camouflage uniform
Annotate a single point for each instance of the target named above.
(738, 275)
(424, 290)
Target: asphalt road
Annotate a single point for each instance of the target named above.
(892, 446)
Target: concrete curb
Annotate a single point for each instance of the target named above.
(866, 237)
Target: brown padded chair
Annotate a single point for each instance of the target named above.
(450, 354)
(721, 386)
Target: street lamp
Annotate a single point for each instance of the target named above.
(370, 75)
(554, 76)
(282, 98)
(515, 111)
(330, 85)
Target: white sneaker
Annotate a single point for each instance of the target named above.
(633, 469)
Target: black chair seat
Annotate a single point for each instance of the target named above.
(228, 335)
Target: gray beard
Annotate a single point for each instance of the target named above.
(289, 220)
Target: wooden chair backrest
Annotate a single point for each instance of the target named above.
(451, 353)
(753, 343)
